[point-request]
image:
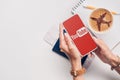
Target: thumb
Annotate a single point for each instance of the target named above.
(96, 40)
(99, 42)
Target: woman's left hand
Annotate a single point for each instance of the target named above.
(67, 45)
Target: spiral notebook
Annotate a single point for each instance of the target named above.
(81, 8)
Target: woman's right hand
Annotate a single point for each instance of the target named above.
(104, 53)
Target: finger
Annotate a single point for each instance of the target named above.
(96, 41)
(98, 51)
(65, 50)
(68, 41)
(61, 50)
(99, 42)
(62, 41)
(91, 54)
(61, 33)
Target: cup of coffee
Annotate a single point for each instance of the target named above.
(100, 20)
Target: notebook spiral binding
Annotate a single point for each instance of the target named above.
(76, 6)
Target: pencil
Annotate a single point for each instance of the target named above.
(92, 8)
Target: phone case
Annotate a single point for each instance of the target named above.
(79, 34)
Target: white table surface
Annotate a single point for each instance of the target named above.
(24, 55)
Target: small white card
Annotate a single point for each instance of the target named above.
(52, 35)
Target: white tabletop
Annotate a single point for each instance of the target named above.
(24, 55)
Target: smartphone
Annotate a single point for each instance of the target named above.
(79, 34)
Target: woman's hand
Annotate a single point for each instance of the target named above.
(104, 53)
(67, 46)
